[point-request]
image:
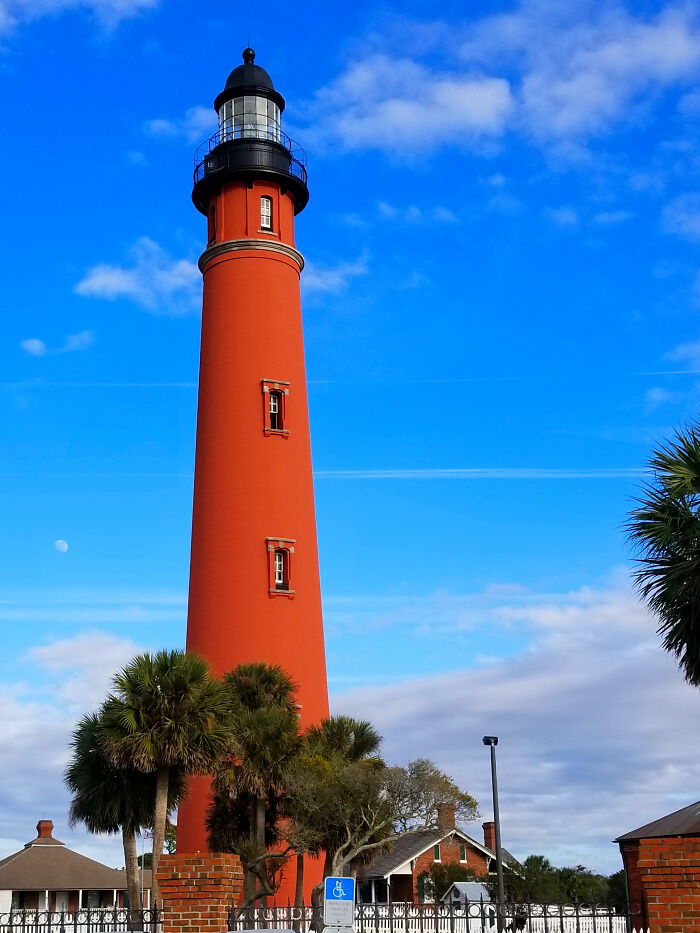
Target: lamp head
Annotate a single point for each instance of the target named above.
(490, 740)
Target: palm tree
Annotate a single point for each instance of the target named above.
(110, 800)
(266, 738)
(351, 739)
(167, 715)
(665, 530)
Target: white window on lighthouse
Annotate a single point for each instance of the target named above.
(250, 117)
(275, 411)
(266, 213)
(281, 575)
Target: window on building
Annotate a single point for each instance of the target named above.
(462, 852)
(436, 853)
(275, 393)
(266, 213)
(275, 411)
(279, 555)
(281, 574)
(211, 225)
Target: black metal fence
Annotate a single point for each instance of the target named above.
(87, 920)
(469, 917)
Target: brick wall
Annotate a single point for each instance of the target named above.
(664, 874)
(198, 890)
(449, 855)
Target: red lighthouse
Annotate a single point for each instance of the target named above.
(254, 581)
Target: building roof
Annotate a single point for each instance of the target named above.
(685, 822)
(45, 864)
(411, 845)
(470, 890)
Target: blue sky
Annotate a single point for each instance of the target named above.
(501, 317)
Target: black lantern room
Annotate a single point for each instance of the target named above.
(249, 143)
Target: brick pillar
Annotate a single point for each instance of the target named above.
(669, 870)
(198, 890)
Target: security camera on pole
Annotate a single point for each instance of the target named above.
(339, 904)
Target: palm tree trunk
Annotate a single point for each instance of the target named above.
(131, 863)
(260, 831)
(160, 815)
(299, 887)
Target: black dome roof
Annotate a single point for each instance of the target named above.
(249, 73)
(249, 78)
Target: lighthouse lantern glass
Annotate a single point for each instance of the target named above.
(249, 117)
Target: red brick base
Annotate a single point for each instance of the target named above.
(197, 891)
(665, 872)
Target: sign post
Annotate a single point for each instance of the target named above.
(339, 904)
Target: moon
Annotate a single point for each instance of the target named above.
(61, 546)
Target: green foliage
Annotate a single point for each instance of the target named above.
(249, 784)
(664, 528)
(351, 739)
(537, 881)
(421, 788)
(166, 711)
(617, 889)
(166, 715)
(106, 799)
(438, 879)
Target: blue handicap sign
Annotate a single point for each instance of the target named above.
(339, 889)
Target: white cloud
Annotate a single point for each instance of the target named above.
(64, 680)
(609, 218)
(331, 279)
(681, 216)
(686, 351)
(108, 13)
(403, 107)
(34, 346)
(412, 214)
(689, 104)
(563, 216)
(591, 716)
(81, 341)
(152, 279)
(597, 62)
(197, 123)
(559, 73)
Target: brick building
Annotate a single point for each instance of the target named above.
(395, 876)
(662, 867)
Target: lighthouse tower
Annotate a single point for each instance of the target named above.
(254, 581)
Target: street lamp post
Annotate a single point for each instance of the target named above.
(492, 741)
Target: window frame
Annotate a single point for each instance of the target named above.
(280, 388)
(284, 546)
(436, 852)
(269, 227)
(463, 849)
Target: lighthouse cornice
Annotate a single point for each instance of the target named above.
(247, 244)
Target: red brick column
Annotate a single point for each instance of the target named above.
(669, 871)
(198, 890)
